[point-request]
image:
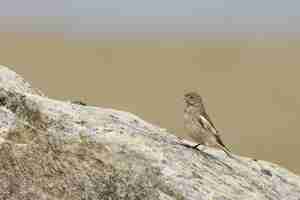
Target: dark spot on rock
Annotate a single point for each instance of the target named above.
(164, 161)
(266, 172)
(3, 101)
(135, 121)
(113, 117)
(107, 130)
(79, 103)
(81, 122)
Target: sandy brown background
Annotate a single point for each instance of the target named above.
(251, 88)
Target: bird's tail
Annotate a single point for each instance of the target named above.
(221, 145)
(225, 149)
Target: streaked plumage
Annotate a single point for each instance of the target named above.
(198, 124)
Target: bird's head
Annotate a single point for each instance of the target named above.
(192, 98)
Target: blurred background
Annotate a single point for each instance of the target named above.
(142, 56)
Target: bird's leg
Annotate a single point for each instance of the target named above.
(197, 145)
(202, 148)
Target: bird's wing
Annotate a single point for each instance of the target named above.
(207, 124)
(207, 118)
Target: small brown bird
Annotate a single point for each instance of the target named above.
(198, 124)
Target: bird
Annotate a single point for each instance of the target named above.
(198, 124)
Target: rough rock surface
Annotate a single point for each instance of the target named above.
(58, 150)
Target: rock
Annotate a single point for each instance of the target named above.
(59, 150)
(10, 80)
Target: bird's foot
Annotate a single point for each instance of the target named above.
(196, 146)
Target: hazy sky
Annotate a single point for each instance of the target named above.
(150, 8)
(188, 7)
(151, 15)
